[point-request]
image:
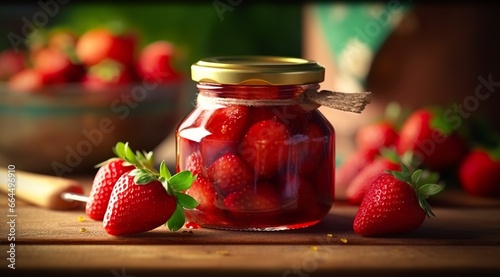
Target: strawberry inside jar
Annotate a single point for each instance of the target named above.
(264, 160)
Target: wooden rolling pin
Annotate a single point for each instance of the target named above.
(51, 192)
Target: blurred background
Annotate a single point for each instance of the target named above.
(409, 53)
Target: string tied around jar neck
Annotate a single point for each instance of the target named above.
(309, 100)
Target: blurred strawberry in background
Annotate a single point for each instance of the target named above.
(100, 58)
(155, 61)
(99, 44)
(11, 62)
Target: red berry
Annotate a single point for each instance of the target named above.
(438, 148)
(396, 203)
(351, 167)
(11, 63)
(194, 163)
(363, 180)
(376, 136)
(203, 191)
(99, 44)
(105, 75)
(102, 186)
(226, 126)
(479, 174)
(264, 147)
(56, 66)
(230, 173)
(27, 80)
(261, 198)
(297, 193)
(136, 208)
(155, 63)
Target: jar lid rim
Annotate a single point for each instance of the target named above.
(258, 70)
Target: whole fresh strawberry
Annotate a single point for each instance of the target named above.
(99, 44)
(395, 203)
(376, 135)
(383, 132)
(357, 189)
(263, 147)
(144, 199)
(105, 75)
(155, 63)
(11, 62)
(56, 66)
(27, 80)
(109, 172)
(432, 138)
(479, 173)
(351, 167)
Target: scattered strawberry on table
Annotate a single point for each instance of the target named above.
(399, 163)
(135, 198)
(104, 181)
(479, 172)
(98, 59)
(396, 203)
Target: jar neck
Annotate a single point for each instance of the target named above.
(254, 91)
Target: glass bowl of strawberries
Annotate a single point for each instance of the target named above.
(67, 99)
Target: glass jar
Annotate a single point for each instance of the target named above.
(263, 160)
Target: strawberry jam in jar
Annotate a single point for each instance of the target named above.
(264, 159)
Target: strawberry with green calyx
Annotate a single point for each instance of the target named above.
(432, 137)
(145, 199)
(109, 172)
(396, 202)
(106, 74)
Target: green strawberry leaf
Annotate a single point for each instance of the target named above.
(143, 176)
(164, 172)
(182, 180)
(185, 200)
(430, 189)
(144, 179)
(119, 149)
(428, 177)
(415, 177)
(129, 155)
(423, 181)
(177, 219)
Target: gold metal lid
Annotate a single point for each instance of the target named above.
(257, 70)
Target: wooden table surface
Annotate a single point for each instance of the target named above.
(462, 240)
